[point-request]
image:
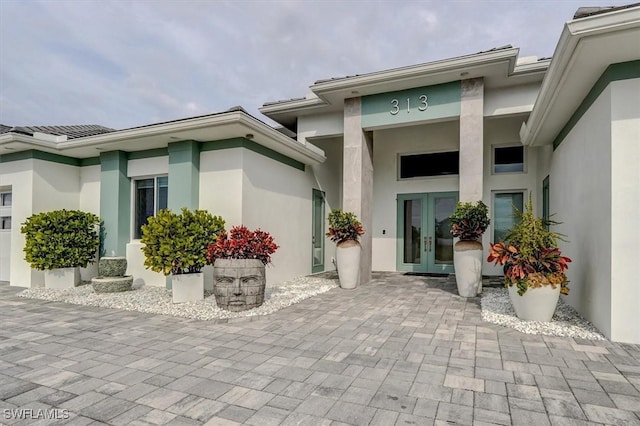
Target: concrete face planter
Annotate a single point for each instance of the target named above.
(536, 304)
(187, 287)
(467, 261)
(114, 266)
(239, 284)
(62, 278)
(348, 263)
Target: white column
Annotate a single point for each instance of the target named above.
(471, 139)
(357, 178)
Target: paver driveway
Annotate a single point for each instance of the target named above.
(400, 350)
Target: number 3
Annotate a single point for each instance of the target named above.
(423, 101)
(394, 107)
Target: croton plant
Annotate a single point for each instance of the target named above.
(530, 255)
(242, 243)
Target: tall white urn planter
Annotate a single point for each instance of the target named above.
(536, 304)
(467, 262)
(61, 278)
(348, 263)
(187, 287)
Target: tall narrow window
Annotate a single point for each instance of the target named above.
(151, 196)
(503, 217)
(508, 159)
(5, 199)
(545, 201)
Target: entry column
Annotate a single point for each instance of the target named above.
(357, 178)
(471, 139)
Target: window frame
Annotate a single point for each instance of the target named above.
(134, 200)
(399, 156)
(525, 194)
(3, 222)
(508, 145)
(3, 198)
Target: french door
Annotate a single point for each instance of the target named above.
(424, 240)
(317, 232)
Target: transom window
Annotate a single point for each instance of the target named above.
(503, 217)
(508, 159)
(426, 165)
(150, 197)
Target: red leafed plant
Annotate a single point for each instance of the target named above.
(241, 243)
(530, 255)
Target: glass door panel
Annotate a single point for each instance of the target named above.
(441, 207)
(412, 230)
(317, 236)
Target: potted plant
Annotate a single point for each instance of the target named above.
(239, 259)
(59, 242)
(176, 245)
(344, 230)
(468, 223)
(534, 268)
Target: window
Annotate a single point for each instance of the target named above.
(150, 196)
(425, 165)
(503, 217)
(508, 159)
(545, 202)
(5, 199)
(5, 222)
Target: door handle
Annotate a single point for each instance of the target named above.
(425, 244)
(429, 244)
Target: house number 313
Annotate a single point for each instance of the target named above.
(422, 105)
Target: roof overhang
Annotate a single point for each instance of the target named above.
(497, 67)
(586, 48)
(213, 127)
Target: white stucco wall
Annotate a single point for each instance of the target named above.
(387, 145)
(625, 204)
(277, 198)
(580, 195)
(221, 184)
(510, 100)
(327, 124)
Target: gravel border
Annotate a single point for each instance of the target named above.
(158, 300)
(566, 322)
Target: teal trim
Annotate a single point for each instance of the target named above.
(147, 153)
(115, 202)
(545, 202)
(317, 229)
(614, 72)
(39, 155)
(91, 161)
(252, 146)
(411, 105)
(184, 175)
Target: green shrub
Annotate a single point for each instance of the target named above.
(469, 221)
(61, 239)
(177, 243)
(344, 226)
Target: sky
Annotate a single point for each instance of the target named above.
(129, 63)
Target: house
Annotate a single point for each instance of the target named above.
(398, 147)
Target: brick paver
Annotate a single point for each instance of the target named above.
(401, 349)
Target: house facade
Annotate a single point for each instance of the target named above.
(399, 148)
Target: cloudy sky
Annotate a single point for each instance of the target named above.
(128, 63)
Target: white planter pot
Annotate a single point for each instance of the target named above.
(467, 262)
(348, 263)
(62, 278)
(187, 287)
(536, 304)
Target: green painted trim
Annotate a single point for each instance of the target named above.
(252, 146)
(545, 202)
(147, 153)
(115, 202)
(614, 72)
(40, 155)
(316, 193)
(184, 175)
(91, 161)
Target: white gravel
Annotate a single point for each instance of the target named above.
(497, 309)
(157, 300)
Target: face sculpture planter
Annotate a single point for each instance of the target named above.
(239, 284)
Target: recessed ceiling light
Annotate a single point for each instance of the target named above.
(175, 138)
(464, 74)
(249, 136)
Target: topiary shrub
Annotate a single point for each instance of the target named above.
(177, 243)
(61, 239)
